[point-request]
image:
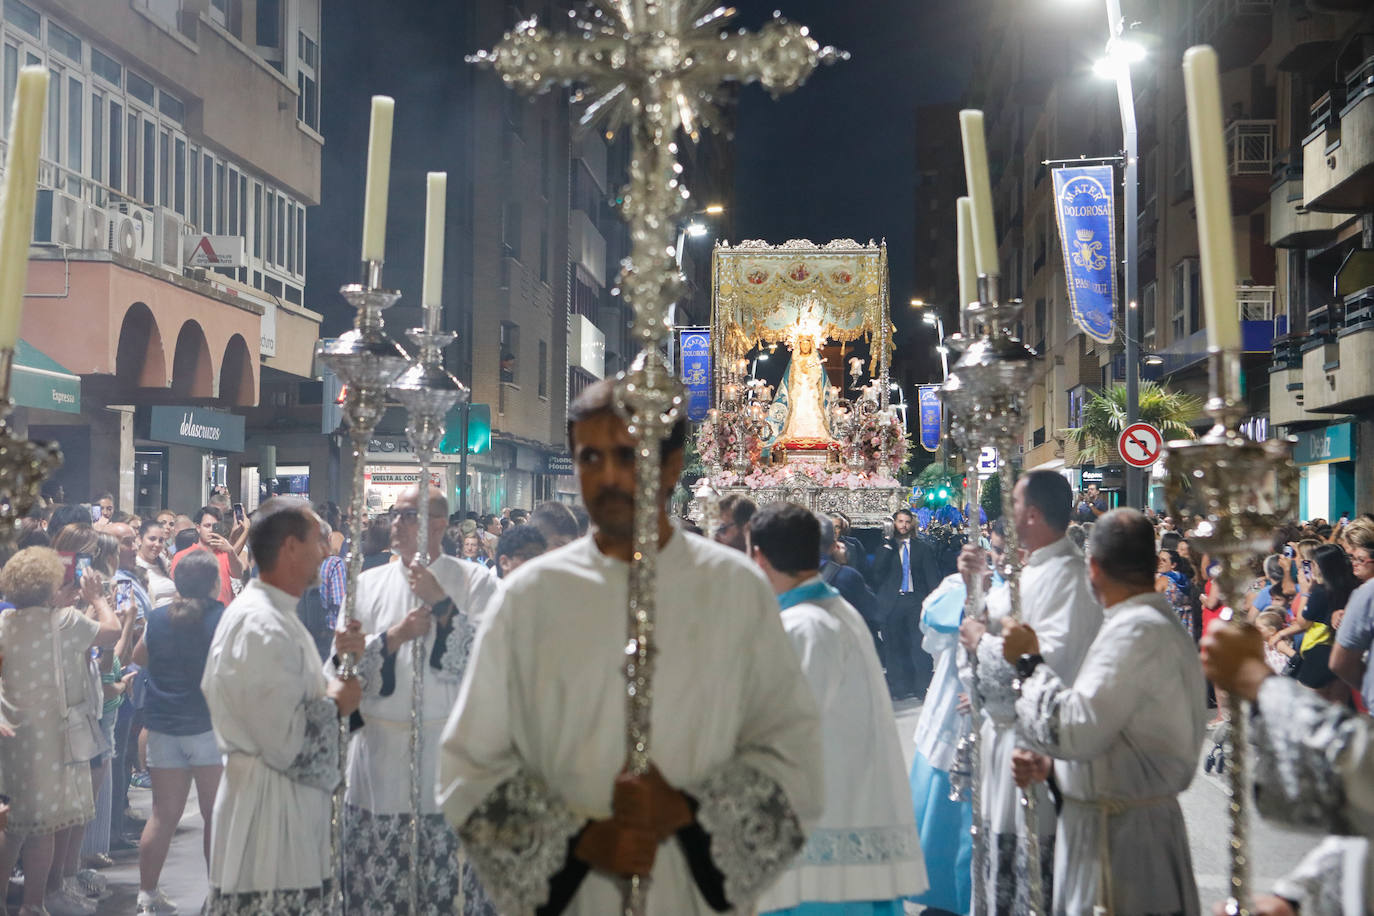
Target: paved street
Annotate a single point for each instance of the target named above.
(1273, 849)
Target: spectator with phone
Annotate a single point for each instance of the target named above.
(209, 538)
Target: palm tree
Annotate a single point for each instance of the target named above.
(1104, 416)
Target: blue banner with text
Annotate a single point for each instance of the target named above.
(928, 397)
(1083, 206)
(696, 372)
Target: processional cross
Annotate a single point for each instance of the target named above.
(653, 66)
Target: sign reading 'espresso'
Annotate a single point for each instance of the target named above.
(199, 426)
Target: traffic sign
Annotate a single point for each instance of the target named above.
(1140, 445)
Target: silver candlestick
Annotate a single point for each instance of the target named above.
(993, 375)
(428, 392)
(366, 361)
(1244, 490)
(24, 463)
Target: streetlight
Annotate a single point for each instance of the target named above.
(935, 321)
(1121, 53)
(694, 227)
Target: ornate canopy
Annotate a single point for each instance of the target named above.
(763, 293)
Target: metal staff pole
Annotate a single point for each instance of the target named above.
(428, 392)
(366, 361)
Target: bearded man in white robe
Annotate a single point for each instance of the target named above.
(276, 719)
(864, 855)
(1125, 736)
(532, 771)
(398, 603)
(1057, 601)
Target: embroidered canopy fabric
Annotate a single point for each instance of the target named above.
(763, 292)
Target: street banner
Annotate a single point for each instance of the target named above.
(1087, 233)
(696, 372)
(928, 397)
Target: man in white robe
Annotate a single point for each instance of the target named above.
(398, 603)
(532, 764)
(864, 855)
(1313, 768)
(1125, 736)
(276, 718)
(1057, 601)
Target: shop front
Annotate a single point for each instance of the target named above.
(1326, 460)
(392, 468)
(181, 454)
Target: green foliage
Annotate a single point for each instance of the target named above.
(990, 497)
(1104, 416)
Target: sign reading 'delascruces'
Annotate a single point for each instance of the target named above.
(217, 430)
(1087, 233)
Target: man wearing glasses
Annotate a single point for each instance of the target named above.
(735, 513)
(436, 601)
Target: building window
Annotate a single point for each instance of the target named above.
(25, 17)
(510, 352)
(308, 103)
(64, 42)
(1181, 182)
(543, 369)
(1147, 311)
(510, 229)
(171, 106)
(1184, 304)
(107, 68)
(1078, 396)
(269, 24)
(141, 89)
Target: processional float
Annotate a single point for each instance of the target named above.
(652, 66)
(984, 395)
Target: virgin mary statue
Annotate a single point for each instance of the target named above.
(806, 395)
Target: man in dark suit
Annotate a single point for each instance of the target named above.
(904, 572)
(846, 580)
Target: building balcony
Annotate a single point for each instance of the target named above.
(1049, 452)
(1338, 155)
(1302, 38)
(1239, 30)
(1286, 397)
(1249, 162)
(1292, 225)
(1338, 369)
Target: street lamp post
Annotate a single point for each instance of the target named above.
(1135, 479)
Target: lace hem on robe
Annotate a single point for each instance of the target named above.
(517, 839)
(310, 901)
(317, 764)
(862, 846)
(1037, 712)
(457, 648)
(754, 831)
(995, 679)
(370, 667)
(377, 866)
(1299, 739)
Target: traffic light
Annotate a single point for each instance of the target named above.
(479, 430)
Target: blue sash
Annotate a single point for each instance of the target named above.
(808, 592)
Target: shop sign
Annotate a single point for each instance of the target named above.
(558, 465)
(216, 430)
(1107, 478)
(1325, 446)
(214, 251)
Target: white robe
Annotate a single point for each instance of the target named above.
(1057, 602)
(379, 753)
(865, 846)
(1126, 737)
(539, 729)
(280, 738)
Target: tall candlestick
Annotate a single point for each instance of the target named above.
(432, 290)
(378, 178)
(968, 267)
(18, 198)
(979, 191)
(1212, 196)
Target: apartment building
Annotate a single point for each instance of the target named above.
(166, 282)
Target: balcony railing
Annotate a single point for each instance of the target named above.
(1360, 80)
(1256, 303)
(1250, 147)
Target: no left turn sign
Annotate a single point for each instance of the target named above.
(1140, 445)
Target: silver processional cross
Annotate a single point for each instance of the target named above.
(654, 66)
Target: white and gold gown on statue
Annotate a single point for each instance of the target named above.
(806, 423)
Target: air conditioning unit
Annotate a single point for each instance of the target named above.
(96, 230)
(58, 219)
(143, 228)
(124, 235)
(167, 239)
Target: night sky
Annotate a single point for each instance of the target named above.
(831, 160)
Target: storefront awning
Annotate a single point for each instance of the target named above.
(41, 381)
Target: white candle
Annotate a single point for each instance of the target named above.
(968, 269)
(378, 178)
(979, 191)
(1212, 197)
(18, 197)
(432, 293)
